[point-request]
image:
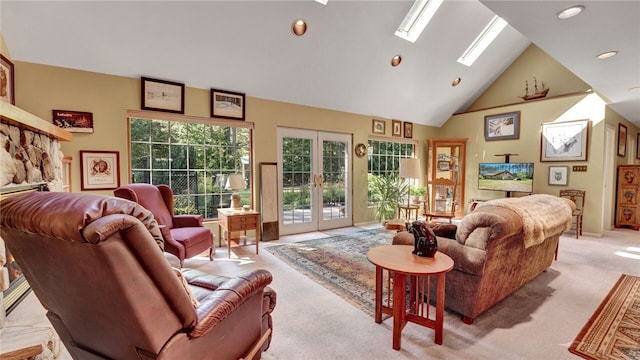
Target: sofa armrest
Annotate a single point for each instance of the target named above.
(467, 259)
(487, 224)
(227, 298)
(180, 221)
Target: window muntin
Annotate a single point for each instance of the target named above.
(194, 159)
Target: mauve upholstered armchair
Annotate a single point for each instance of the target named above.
(184, 235)
(96, 265)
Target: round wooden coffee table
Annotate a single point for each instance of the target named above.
(398, 261)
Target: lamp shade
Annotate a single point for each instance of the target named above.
(410, 168)
(235, 182)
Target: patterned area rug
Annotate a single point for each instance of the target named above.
(339, 263)
(613, 331)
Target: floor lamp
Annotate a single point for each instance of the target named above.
(409, 169)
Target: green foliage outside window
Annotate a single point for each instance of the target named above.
(195, 160)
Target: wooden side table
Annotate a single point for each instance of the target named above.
(399, 261)
(237, 220)
(408, 211)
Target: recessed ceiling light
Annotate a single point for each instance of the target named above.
(456, 82)
(570, 12)
(323, 2)
(299, 27)
(606, 55)
(396, 60)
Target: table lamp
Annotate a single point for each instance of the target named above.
(235, 182)
(409, 169)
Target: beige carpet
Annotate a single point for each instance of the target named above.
(613, 331)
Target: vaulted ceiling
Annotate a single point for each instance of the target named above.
(342, 62)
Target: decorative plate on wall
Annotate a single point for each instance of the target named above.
(361, 150)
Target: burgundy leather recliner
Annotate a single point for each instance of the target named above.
(96, 265)
(184, 235)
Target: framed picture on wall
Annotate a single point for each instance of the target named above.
(7, 92)
(559, 175)
(565, 141)
(502, 126)
(377, 126)
(408, 130)
(638, 146)
(227, 104)
(396, 128)
(100, 170)
(162, 95)
(622, 139)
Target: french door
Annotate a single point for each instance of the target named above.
(314, 180)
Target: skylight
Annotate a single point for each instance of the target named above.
(484, 39)
(417, 19)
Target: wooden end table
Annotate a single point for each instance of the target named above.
(237, 220)
(399, 261)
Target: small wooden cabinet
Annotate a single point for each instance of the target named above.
(446, 161)
(628, 197)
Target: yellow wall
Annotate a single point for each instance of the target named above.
(42, 88)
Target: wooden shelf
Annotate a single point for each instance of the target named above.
(13, 115)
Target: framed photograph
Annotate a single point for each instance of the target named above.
(7, 81)
(227, 104)
(638, 146)
(100, 170)
(559, 175)
(622, 139)
(162, 95)
(444, 166)
(565, 141)
(396, 128)
(502, 126)
(73, 121)
(378, 126)
(408, 130)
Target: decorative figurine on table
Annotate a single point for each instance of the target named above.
(425, 243)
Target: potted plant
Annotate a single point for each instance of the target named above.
(386, 191)
(417, 193)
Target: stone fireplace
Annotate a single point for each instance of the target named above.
(30, 160)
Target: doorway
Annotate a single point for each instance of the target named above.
(314, 180)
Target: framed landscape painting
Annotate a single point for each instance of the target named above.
(565, 141)
(502, 126)
(227, 104)
(162, 95)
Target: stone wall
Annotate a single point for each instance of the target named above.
(28, 157)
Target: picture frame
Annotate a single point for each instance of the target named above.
(378, 127)
(638, 146)
(396, 128)
(504, 126)
(558, 175)
(444, 165)
(227, 104)
(100, 170)
(162, 95)
(73, 121)
(565, 141)
(408, 130)
(7, 89)
(622, 140)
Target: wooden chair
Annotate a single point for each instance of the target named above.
(443, 203)
(578, 198)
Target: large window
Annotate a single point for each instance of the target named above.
(384, 156)
(194, 159)
(384, 160)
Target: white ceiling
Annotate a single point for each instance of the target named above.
(342, 63)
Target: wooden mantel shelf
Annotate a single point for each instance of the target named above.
(13, 115)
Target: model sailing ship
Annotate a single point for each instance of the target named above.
(537, 94)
